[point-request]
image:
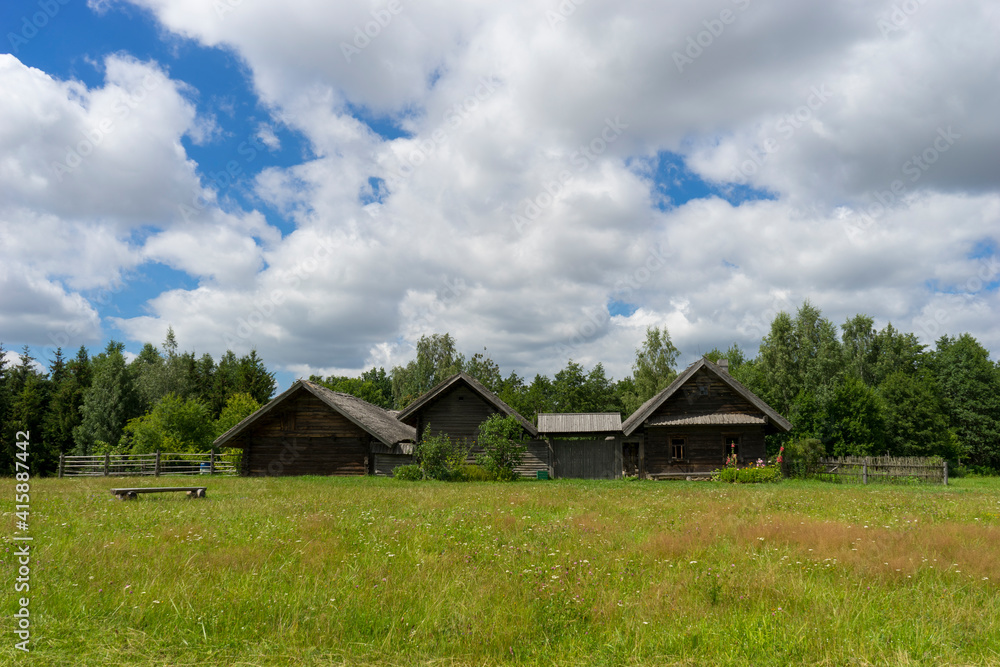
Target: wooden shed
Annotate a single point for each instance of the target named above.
(691, 426)
(310, 430)
(584, 445)
(458, 405)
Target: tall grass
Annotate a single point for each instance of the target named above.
(374, 571)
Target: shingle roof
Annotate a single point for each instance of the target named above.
(581, 422)
(732, 418)
(649, 407)
(477, 387)
(373, 419)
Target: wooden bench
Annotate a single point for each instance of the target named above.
(132, 494)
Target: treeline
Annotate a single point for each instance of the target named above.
(162, 400)
(858, 390)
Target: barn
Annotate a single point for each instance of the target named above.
(690, 427)
(458, 405)
(310, 430)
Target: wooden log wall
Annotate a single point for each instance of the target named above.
(385, 464)
(705, 394)
(535, 458)
(306, 437)
(704, 446)
(458, 413)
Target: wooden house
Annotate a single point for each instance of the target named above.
(457, 406)
(585, 445)
(310, 430)
(694, 424)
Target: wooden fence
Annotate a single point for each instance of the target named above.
(880, 470)
(158, 464)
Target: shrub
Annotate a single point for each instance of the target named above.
(757, 474)
(502, 439)
(410, 473)
(473, 473)
(439, 457)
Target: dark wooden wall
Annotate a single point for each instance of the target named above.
(704, 447)
(586, 459)
(304, 436)
(535, 458)
(385, 464)
(704, 394)
(457, 413)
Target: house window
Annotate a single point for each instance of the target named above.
(731, 445)
(677, 449)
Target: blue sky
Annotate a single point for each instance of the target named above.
(327, 184)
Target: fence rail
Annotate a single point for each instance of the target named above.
(879, 469)
(158, 464)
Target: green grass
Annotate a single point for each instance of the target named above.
(318, 571)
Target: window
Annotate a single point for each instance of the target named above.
(677, 449)
(731, 445)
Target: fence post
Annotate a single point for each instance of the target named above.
(156, 465)
(864, 472)
(60, 465)
(211, 463)
(945, 473)
(107, 464)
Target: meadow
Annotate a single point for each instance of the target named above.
(317, 571)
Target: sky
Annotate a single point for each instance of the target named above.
(327, 182)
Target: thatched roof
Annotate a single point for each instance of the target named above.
(579, 422)
(373, 419)
(463, 378)
(649, 407)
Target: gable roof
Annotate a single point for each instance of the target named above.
(579, 422)
(650, 406)
(373, 419)
(464, 378)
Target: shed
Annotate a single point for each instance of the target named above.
(583, 445)
(458, 405)
(311, 430)
(702, 417)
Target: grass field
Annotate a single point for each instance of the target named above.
(317, 571)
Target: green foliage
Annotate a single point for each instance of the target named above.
(367, 390)
(856, 426)
(109, 402)
(173, 425)
(485, 370)
(761, 474)
(476, 473)
(436, 360)
(410, 473)
(440, 457)
(654, 368)
(502, 439)
(807, 451)
(916, 424)
(238, 407)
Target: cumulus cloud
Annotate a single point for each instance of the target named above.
(489, 170)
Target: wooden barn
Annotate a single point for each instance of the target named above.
(692, 425)
(583, 445)
(310, 430)
(458, 405)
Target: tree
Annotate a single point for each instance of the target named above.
(238, 407)
(860, 349)
(484, 369)
(253, 378)
(28, 396)
(915, 421)
(970, 389)
(436, 361)
(363, 389)
(502, 439)
(174, 425)
(108, 403)
(68, 382)
(654, 368)
(856, 426)
(574, 390)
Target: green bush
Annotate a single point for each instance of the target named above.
(502, 440)
(752, 475)
(410, 473)
(473, 473)
(439, 457)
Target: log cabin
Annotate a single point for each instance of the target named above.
(310, 430)
(689, 428)
(457, 406)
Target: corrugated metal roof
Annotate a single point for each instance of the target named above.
(733, 418)
(579, 422)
